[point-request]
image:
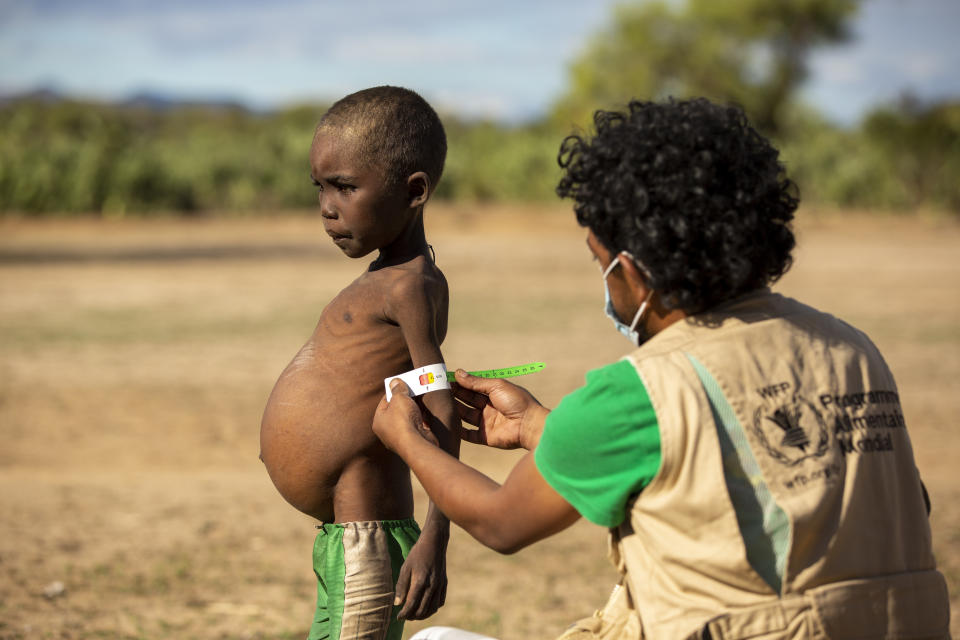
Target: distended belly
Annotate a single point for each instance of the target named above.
(312, 429)
(318, 419)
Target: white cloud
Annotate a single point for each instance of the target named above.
(840, 70)
(920, 65)
(471, 104)
(405, 48)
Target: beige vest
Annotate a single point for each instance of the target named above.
(788, 503)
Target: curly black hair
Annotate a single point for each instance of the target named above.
(691, 190)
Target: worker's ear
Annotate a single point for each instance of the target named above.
(634, 277)
(419, 188)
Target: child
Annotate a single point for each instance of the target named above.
(376, 158)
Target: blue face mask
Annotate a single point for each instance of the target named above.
(629, 332)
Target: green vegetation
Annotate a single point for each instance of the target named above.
(901, 158)
(69, 157)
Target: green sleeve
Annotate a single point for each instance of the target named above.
(601, 445)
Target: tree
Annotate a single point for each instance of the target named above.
(751, 52)
(921, 144)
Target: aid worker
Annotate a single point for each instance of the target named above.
(749, 455)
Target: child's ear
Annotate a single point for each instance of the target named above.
(418, 189)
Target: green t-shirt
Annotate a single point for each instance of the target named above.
(601, 445)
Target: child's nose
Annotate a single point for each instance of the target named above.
(326, 210)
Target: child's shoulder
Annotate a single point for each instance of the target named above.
(417, 271)
(417, 284)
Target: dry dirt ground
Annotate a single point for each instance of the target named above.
(135, 359)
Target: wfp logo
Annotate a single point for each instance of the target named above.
(792, 432)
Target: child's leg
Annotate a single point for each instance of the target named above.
(357, 564)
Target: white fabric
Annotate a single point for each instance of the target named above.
(447, 633)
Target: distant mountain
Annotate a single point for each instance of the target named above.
(152, 100)
(162, 102)
(37, 95)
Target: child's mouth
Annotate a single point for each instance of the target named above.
(337, 237)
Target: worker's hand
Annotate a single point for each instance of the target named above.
(422, 582)
(399, 418)
(505, 414)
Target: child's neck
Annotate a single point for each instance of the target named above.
(411, 242)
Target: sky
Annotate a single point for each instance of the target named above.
(500, 59)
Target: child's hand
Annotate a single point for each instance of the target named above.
(399, 417)
(422, 583)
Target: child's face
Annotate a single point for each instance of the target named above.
(361, 210)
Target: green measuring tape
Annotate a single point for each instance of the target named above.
(509, 372)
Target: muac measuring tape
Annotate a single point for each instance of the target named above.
(435, 376)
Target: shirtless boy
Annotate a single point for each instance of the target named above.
(376, 158)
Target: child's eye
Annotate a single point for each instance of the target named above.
(316, 183)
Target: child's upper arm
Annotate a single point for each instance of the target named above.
(417, 309)
(419, 306)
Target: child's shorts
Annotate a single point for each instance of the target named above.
(357, 565)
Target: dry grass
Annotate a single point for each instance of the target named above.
(135, 359)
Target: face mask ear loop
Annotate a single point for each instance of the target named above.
(640, 311)
(610, 266)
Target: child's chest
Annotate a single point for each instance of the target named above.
(361, 306)
(355, 327)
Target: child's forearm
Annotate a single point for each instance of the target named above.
(442, 417)
(436, 525)
(444, 421)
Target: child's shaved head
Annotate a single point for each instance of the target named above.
(393, 128)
